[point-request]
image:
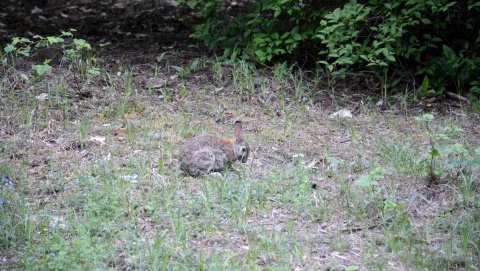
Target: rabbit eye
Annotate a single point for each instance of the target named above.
(244, 149)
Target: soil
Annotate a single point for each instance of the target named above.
(138, 30)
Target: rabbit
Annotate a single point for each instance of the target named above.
(208, 153)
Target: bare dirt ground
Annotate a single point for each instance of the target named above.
(281, 136)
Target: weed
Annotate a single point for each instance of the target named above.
(84, 129)
(458, 159)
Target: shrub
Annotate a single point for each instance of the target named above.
(436, 38)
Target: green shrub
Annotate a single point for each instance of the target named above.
(263, 29)
(436, 38)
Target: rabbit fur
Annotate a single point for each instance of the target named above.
(206, 153)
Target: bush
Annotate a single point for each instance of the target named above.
(437, 38)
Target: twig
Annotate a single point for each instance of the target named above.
(458, 97)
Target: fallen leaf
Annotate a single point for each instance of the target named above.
(312, 164)
(42, 97)
(120, 131)
(100, 139)
(343, 113)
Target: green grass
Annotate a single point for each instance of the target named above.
(93, 183)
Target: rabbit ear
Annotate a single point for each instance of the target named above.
(238, 129)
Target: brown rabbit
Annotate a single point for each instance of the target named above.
(206, 153)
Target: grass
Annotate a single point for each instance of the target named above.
(93, 183)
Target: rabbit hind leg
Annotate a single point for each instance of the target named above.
(202, 162)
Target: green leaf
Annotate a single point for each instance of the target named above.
(385, 29)
(41, 69)
(277, 12)
(434, 152)
(68, 33)
(54, 39)
(261, 54)
(25, 77)
(377, 173)
(178, 69)
(260, 41)
(81, 43)
(295, 30)
(365, 181)
(459, 148)
(470, 6)
(194, 64)
(297, 36)
(449, 53)
(105, 44)
(209, 4)
(425, 118)
(149, 208)
(425, 84)
(334, 160)
(447, 6)
(160, 57)
(390, 57)
(425, 21)
(390, 206)
(9, 48)
(94, 71)
(192, 3)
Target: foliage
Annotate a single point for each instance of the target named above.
(262, 30)
(444, 156)
(63, 47)
(370, 179)
(438, 39)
